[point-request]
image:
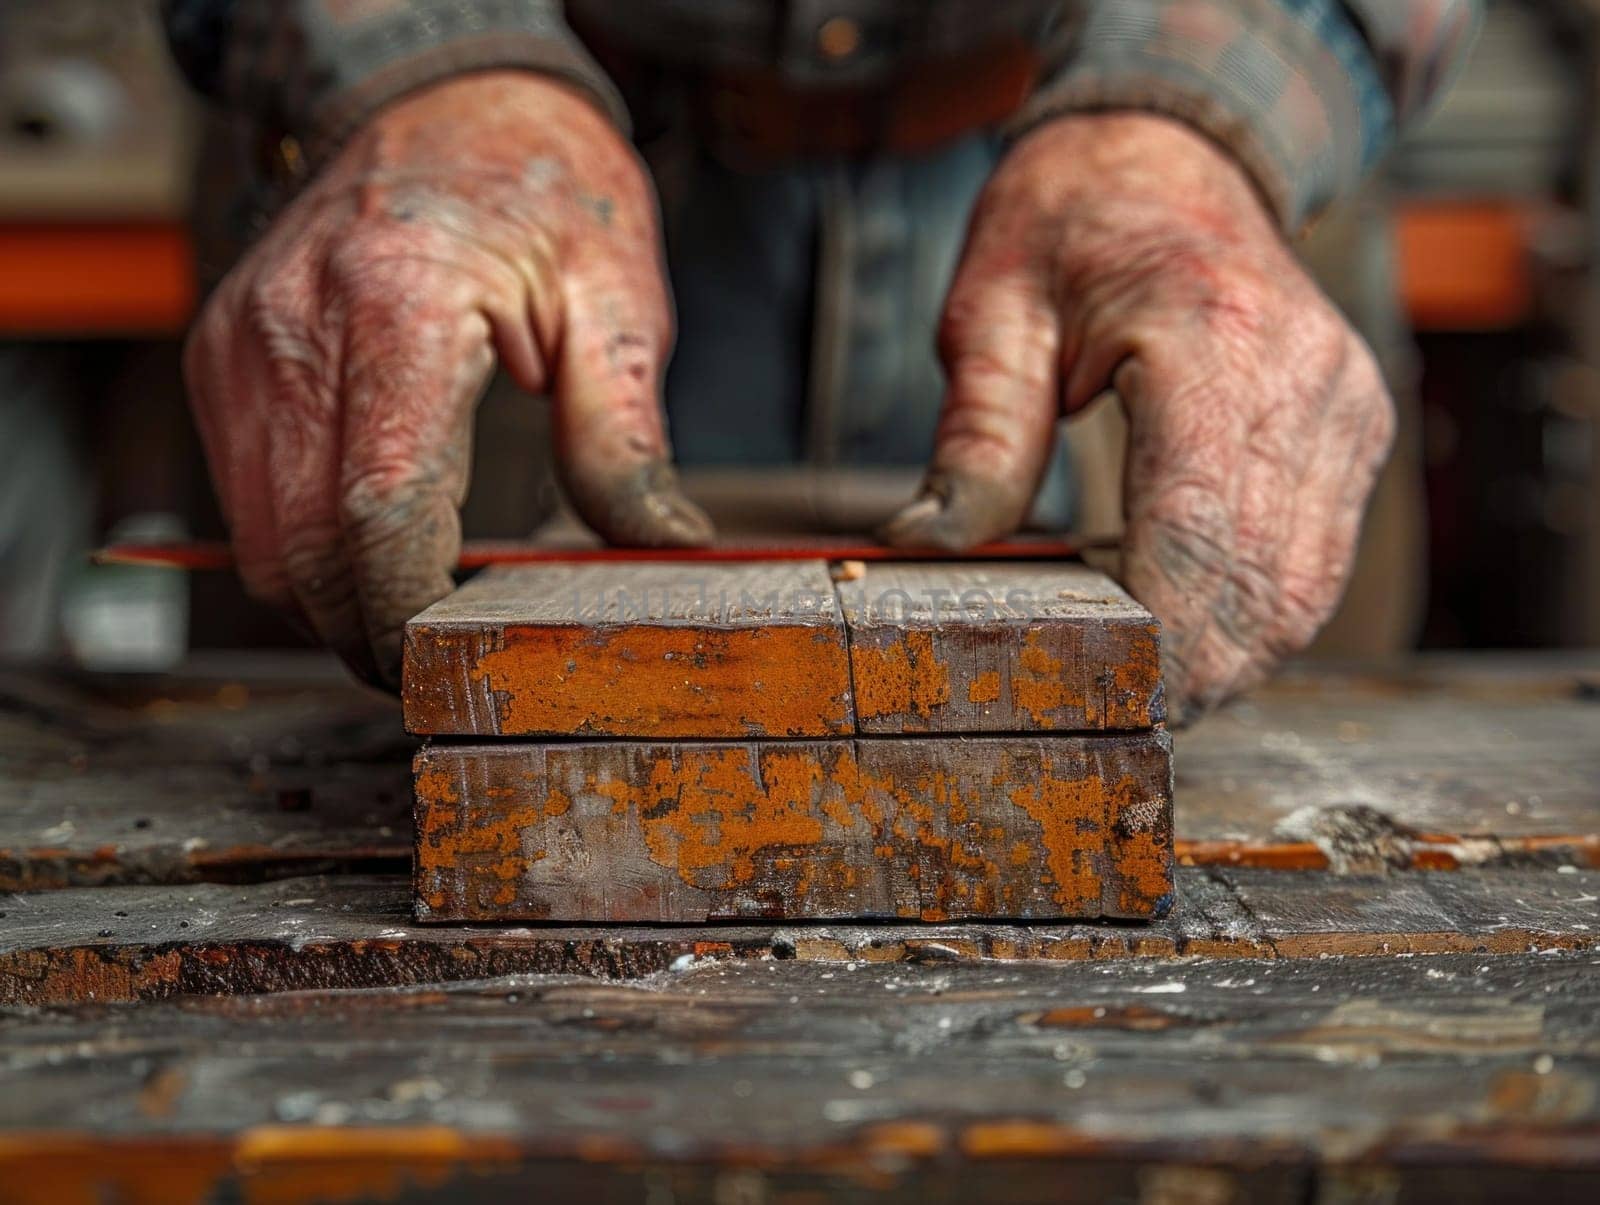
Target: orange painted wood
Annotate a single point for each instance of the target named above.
(709, 651)
(1042, 786)
(642, 651)
(89, 279)
(922, 828)
(974, 647)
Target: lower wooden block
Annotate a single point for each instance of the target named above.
(950, 828)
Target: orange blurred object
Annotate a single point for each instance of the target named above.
(95, 279)
(1465, 265)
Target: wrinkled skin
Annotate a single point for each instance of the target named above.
(334, 373)
(1123, 250)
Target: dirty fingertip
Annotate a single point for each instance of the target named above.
(646, 509)
(671, 520)
(954, 512)
(387, 651)
(361, 659)
(919, 526)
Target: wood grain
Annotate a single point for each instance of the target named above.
(690, 831)
(1453, 1078)
(1000, 648)
(1493, 751)
(1373, 1034)
(353, 931)
(707, 651)
(634, 650)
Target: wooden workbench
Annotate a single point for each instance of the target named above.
(1380, 981)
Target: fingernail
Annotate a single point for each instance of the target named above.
(387, 652)
(645, 508)
(915, 524)
(675, 521)
(954, 512)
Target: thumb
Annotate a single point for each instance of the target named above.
(610, 430)
(999, 340)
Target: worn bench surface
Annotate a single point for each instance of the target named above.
(1492, 757)
(1377, 982)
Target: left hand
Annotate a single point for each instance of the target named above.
(1125, 250)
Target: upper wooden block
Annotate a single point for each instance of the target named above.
(777, 649)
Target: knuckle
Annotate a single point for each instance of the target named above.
(391, 269)
(379, 497)
(1248, 601)
(1307, 603)
(313, 558)
(269, 298)
(1300, 618)
(398, 521)
(986, 372)
(967, 308)
(1186, 539)
(1194, 512)
(369, 287)
(1237, 310)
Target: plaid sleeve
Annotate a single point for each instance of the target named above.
(1417, 44)
(1305, 93)
(317, 69)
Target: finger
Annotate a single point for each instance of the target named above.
(1231, 650)
(610, 429)
(417, 354)
(300, 373)
(222, 385)
(999, 340)
(1352, 447)
(1181, 505)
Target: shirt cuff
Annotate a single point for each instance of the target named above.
(1289, 87)
(325, 68)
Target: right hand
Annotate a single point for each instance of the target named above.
(334, 373)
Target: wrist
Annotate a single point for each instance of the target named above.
(1149, 166)
(488, 117)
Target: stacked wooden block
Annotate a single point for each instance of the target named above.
(655, 742)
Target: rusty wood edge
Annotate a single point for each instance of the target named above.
(129, 973)
(1417, 852)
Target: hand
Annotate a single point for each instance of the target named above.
(1125, 251)
(335, 371)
